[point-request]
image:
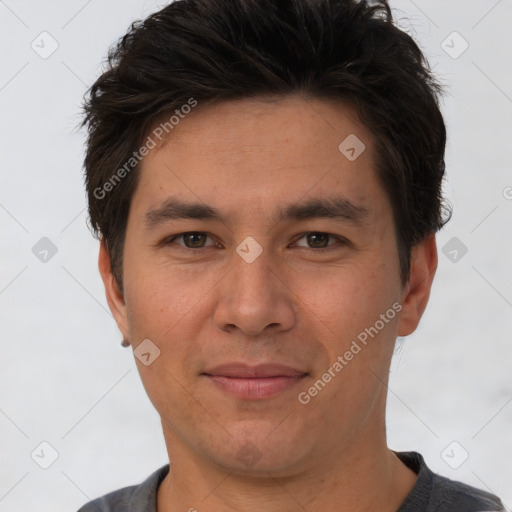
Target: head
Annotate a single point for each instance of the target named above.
(301, 146)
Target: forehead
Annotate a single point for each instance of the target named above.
(250, 154)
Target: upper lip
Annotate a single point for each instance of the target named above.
(241, 370)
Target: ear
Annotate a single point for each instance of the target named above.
(417, 290)
(114, 295)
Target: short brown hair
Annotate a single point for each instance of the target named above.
(217, 50)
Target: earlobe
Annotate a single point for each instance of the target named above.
(114, 295)
(417, 291)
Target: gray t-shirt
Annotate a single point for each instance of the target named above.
(431, 493)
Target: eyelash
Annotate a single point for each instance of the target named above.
(341, 240)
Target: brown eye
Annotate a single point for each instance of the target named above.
(194, 240)
(190, 240)
(319, 240)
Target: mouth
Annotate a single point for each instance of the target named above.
(254, 382)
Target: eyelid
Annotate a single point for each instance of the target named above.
(339, 238)
(171, 239)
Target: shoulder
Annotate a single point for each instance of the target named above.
(455, 496)
(436, 493)
(140, 498)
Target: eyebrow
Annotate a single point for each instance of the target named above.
(338, 208)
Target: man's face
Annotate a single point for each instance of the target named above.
(250, 311)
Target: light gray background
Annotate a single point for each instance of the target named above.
(65, 378)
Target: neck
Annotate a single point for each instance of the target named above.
(355, 480)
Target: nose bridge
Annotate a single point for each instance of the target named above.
(254, 297)
(254, 258)
(253, 275)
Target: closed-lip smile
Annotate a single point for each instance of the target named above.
(254, 382)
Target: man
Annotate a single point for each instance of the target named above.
(266, 180)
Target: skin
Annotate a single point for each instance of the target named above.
(293, 304)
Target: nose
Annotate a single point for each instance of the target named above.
(255, 298)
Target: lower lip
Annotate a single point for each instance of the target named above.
(255, 388)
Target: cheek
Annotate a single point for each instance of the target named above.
(165, 307)
(344, 299)
(158, 299)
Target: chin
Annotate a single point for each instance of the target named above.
(259, 447)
